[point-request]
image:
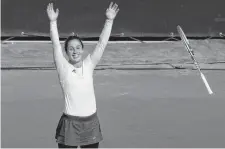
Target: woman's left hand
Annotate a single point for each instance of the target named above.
(112, 11)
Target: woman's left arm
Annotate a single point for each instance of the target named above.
(111, 13)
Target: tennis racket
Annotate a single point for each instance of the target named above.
(191, 52)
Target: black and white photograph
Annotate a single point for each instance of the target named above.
(112, 73)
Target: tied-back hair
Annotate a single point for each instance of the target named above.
(74, 37)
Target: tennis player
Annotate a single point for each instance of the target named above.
(79, 124)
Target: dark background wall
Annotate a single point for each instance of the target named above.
(136, 17)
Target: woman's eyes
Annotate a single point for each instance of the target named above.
(74, 49)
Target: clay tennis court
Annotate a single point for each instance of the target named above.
(139, 106)
(148, 94)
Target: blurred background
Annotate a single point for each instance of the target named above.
(155, 18)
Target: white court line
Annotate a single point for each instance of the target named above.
(88, 42)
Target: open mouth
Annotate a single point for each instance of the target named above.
(75, 55)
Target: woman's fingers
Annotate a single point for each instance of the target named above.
(117, 10)
(115, 6)
(50, 8)
(57, 11)
(111, 4)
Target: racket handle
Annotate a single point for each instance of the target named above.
(206, 84)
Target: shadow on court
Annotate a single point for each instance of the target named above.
(136, 108)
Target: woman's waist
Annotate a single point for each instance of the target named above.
(80, 116)
(75, 95)
(81, 111)
(80, 106)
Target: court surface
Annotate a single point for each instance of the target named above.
(145, 108)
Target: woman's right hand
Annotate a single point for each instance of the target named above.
(52, 15)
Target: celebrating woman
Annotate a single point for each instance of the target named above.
(79, 124)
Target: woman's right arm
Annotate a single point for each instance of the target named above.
(59, 58)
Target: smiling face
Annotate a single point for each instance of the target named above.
(74, 51)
